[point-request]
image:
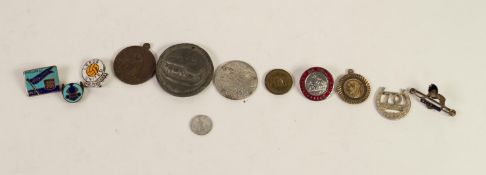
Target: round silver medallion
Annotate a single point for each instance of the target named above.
(235, 80)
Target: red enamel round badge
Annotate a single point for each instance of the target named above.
(316, 83)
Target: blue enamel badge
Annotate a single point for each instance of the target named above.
(42, 80)
(72, 92)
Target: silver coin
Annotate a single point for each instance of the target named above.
(201, 125)
(235, 80)
(184, 70)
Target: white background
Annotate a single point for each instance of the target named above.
(122, 129)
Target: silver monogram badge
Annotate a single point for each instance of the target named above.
(392, 105)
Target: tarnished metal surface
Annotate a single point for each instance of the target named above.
(184, 70)
(433, 100)
(235, 80)
(135, 64)
(392, 105)
(353, 88)
(278, 81)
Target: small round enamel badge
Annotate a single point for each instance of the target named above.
(316, 83)
(353, 88)
(93, 73)
(72, 92)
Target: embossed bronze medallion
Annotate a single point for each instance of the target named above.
(278, 81)
(316, 83)
(135, 64)
(184, 70)
(353, 88)
(392, 105)
(235, 80)
(201, 125)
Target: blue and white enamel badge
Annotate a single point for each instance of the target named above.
(41, 80)
(72, 92)
(93, 73)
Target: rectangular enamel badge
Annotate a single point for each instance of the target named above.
(42, 80)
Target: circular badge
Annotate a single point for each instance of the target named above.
(278, 81)
(72, 92)
(135, 64)
(353, 88)
(316, 83)
(184, 70)
(93, 72)
(235, 80)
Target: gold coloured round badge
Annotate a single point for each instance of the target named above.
(353, 88)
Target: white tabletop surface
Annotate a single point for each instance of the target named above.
(122, 129)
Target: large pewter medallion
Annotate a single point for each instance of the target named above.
(392, 105)
(134, 64)
(235, 80)
(316, 83)
(184, 70)
(353, 88)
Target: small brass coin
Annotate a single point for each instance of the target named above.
(278, 81)
(353, 88)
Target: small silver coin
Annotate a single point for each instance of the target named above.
(235, 80)
(201, 125)
(184, 70)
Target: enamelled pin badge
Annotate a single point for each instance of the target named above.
(353, 88)
(94, 73)
(316, 83)
(433, 100)
(41, 80)
(72, 92)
